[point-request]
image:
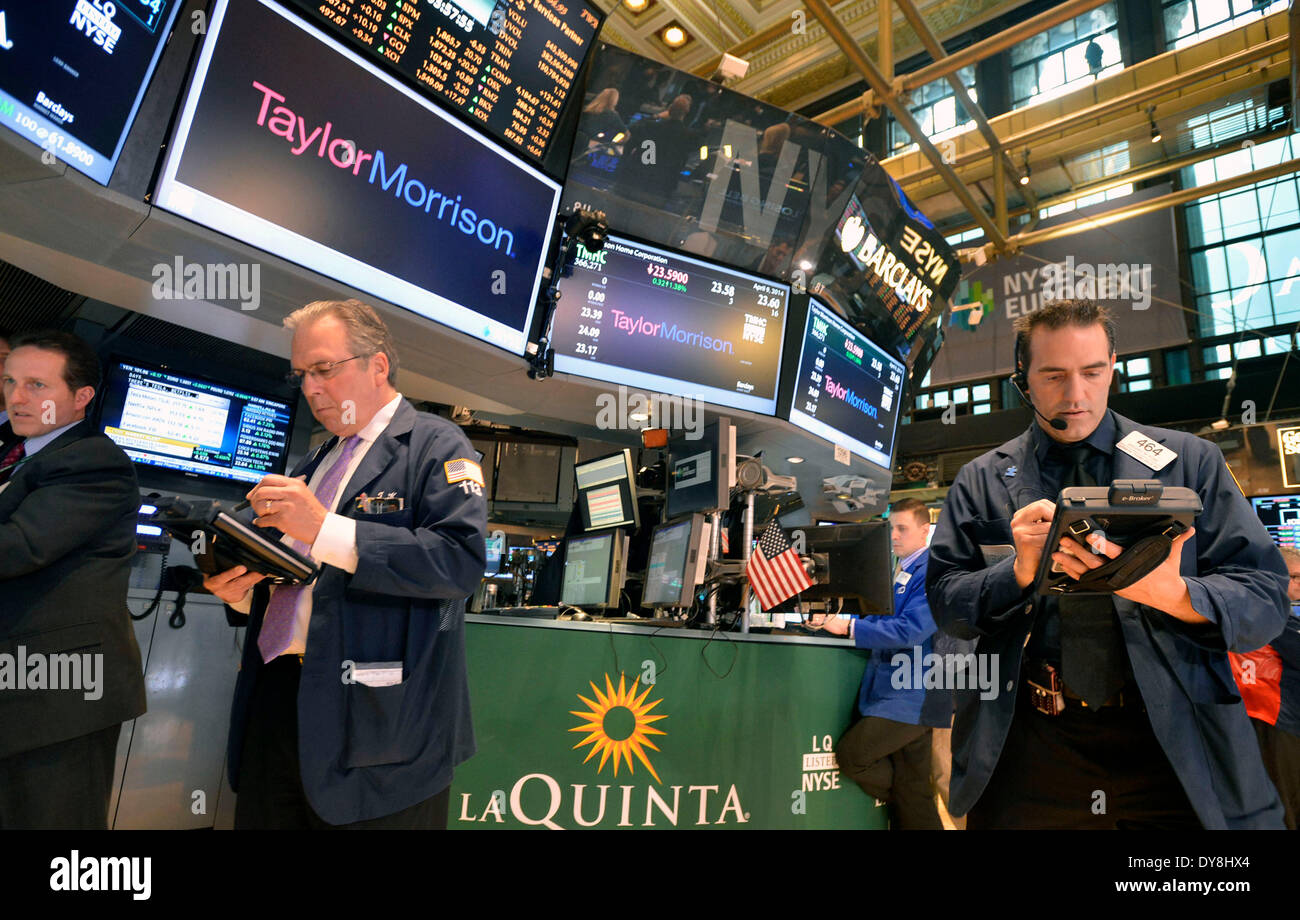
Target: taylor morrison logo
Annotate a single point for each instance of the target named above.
(60, 671)
(619, 723)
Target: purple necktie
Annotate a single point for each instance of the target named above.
(277, 625)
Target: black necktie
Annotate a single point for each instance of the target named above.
(1092, 647)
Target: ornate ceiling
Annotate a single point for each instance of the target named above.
(792, 61)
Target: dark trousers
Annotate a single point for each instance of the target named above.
(1084, 769)
(270, 778)
(1281, 753)
(65, 785)
(891, 761)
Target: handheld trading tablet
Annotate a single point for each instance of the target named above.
(229, 542)
(1140, 515)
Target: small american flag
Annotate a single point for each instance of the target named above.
(775, 571)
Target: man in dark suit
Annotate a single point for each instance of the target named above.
(352, 703)
(70, 670)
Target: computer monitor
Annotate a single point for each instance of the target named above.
(678, 553)
(495, 550)
(594, 570)
(847, 390)
(166, 418)
(1280, 515)
(661, 321)
(607, 492)
(701, 472)
(857, 559)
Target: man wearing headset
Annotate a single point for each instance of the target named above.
(1138, 723)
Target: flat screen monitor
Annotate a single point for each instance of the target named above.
(294, 143)
(675, 566)
(72, 73)
(847, 389)
(167, 419)
(528, 472)
(665, 322)
(594, 570)
(702, 471)
(606, 492)
(1280, 515)
(495, 549)
(859, 571)
(507, 68)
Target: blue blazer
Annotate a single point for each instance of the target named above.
(1236, 578)
(887, 636)
(366, 751)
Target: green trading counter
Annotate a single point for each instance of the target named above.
(611, 725)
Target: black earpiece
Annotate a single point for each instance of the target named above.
(1020, 380)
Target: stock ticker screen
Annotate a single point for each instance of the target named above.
(847, 389)
(199, 427)
(646, 317)
(72, 73)
(508, 66)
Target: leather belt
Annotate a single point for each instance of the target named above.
(1044, 683)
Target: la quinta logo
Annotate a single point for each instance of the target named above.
(852, 234)
(618, 723)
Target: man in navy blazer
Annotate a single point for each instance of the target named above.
(887, 751)
(352, 703)
(1171, 746)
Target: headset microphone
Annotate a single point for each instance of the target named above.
(1058, 423)
(1020, 380)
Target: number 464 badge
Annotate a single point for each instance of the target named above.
(1146, 450)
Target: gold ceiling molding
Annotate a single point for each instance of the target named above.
(943, 19)
(609, 34)
(734, 16)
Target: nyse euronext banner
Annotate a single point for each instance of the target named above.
(293, 143)
(1130, 266)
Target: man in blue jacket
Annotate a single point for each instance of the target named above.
(352, 703)
(887, 751)
(1139, 723)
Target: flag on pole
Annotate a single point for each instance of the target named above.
(775, 571)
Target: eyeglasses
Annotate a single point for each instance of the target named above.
(322, 371)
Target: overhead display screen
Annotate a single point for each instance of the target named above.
(645, 317)
(1280, 515)
(293, 143)
(195, 426)
(72, 73)
(506, 65)
(847, 390)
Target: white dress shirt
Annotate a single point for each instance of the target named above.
(336, 544)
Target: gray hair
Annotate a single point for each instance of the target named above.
(367, 332)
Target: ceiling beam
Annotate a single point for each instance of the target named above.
(856, 56)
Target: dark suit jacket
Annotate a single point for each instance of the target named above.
(67, 534)
(1236, 579)
(366, 752)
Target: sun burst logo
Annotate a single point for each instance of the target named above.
(618, 723)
